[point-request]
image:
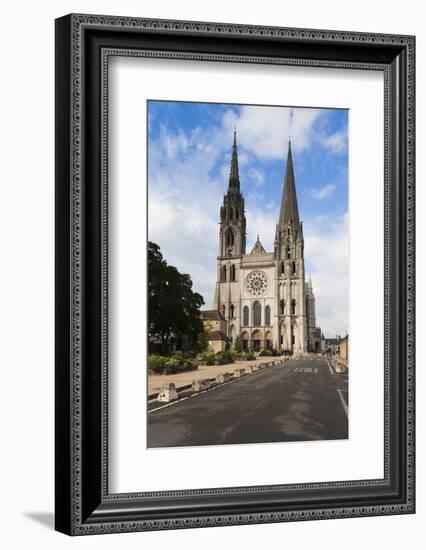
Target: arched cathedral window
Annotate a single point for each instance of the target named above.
(223, 274)
(257, 314)
(233, 272)
(293, 267)
(246, 316)
(293, 307)
(282, 268)
(231, 311)
(282, 307)
(224, 311)
(267, 315)
(288, 252)
(229, 238)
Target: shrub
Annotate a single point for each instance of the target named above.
(209, 358)
(250, 356)
(265, 352)
(225, 357)
(156, 363)
(171, 366)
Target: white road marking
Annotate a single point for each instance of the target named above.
(343, 402)
(331, 370)
(306, 370)
(166, 405)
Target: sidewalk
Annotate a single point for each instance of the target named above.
(155, 381)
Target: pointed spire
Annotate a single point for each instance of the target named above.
(310, 288)
(289, 210)
(258, 248)
(234, 177)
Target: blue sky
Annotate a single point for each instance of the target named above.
(189, 150)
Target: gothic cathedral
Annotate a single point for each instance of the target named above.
(264, 296)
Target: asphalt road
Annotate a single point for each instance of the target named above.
(300, 400)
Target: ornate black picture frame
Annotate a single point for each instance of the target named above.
(83, 45)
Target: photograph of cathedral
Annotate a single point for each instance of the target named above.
(248, 274)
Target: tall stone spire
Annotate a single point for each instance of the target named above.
(232, 239)
(234, 176)
(289, 210)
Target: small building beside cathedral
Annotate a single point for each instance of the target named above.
(264, 296)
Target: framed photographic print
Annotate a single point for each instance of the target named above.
(234, 274)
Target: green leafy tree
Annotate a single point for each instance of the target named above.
(203, 339)
(238, 346)
(173, 307)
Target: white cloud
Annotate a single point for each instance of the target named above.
(262, 223)
(174, 144)
(337, 142)
(322, 192)
(327, 259)
(257, 176)
(265, 131)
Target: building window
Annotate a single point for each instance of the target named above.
(293, 307)
(293, 265)
(257, 314)
(237, 215)
(282, 307)
(224, 311)
(267, 315)
(231, 213)
(233, 272)
(231, 311)
(223, 274)
(229, 238)
(281, 339)
(288, 252)
(246, 316)
(282, 268)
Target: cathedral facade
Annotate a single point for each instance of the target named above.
(264, 296)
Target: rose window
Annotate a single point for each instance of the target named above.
(256, 283)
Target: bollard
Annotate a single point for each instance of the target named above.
(201, 384)
(239, 372)
(223, 377)
(168, 393)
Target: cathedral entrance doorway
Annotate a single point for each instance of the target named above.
(256, 341)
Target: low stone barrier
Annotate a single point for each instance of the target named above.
(168, 393)
(223, 377)
(239, 372)
(201, 384)
(340, 365)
